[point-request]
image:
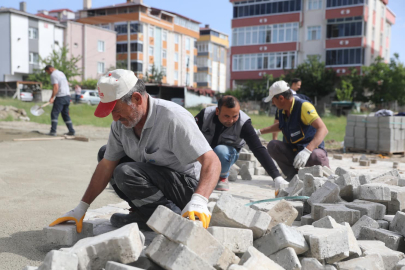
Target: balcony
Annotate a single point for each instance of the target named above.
(344, 12)
(265, 20)
(344, 42)
(274, 47)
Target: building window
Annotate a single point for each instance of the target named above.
(176, 39)
(344, 57)
(339, 3)
(150, 67)
(100, 67)
(344, 27)
(176, 75)
(76, 45)
(101, 47)
(151, 31)
(135, 47)
(314, 32)
(34, 58)
(164, 54)
(136, 66)
(176, 57)
(260, 8)
(122, 29)
(264, 61)
(151, 51)
(314, 4)
(187, 44)
(33, 33)
(164, 36)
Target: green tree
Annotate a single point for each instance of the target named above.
(345, 93)
(156, 75)
(60, 60)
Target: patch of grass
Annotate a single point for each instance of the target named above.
(9, 118)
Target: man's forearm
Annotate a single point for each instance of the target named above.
(270, 129)
(210, 170)
(99, 180)
(318, 138)
(54, 90)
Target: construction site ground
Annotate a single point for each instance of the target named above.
(40, 180)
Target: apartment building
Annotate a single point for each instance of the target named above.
(271, 36)
(212, 49)
(157, 37)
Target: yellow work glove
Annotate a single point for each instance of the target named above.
(197, 207)
(77, 215)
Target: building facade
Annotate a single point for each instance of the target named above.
(25, 37)
(271, 36)
(157, 37)
(212, 49)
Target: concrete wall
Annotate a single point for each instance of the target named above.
(75, 43)
(19, 44)
(5, 46)
(46, 33)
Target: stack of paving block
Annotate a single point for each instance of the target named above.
(246, 166)
(377, 134)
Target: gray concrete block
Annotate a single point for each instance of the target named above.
(364, 163)
(372, 145)
(249, 164)
(28, 267)
(370, 262)
(311, 184)
(398, 223)
(338, 157)
(286, 258)
(349, 141)
(364, 221)
(229, 212)
(254, 259)
(233, 172)
(246, 156)
(354, 248)
(295, 186)
(280, 237)
(364, 179)
(375, 192)
(211, 206)
(383, 224)
(389, 256)
(328, 193)
(193, 235)
(214, 196)
(368, 245)
(246, 173)
(316, 171)
(349, 131)
(282, 212)
(56, 260)
(372, 121)
(326, 171)
(122, 245)
(260, 171)
(307, 220)
(172, 255)
(341, 171)
(401, 182)
(360, 143)
(372, 133)
(394, 173)
(237, 267)
(314, 264)
(400, 264)
(386, 122)
(326, 222)
(236, 240)
(347, 185)
(392, 240)
(355, 159)
(397, 202)
(337, 211)
(119, 266)
(361, 120)
(371, 209)
(65, 234)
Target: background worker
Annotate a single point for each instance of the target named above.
(60, 99)
(78, 93)
(303, 130)
(227, 129)
(155, 155)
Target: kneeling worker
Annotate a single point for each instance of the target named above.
(227, 129)
(303, 130)
(153, 157)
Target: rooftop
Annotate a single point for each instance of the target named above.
(60, 10)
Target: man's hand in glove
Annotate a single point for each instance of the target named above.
(302, 158)
(77, 215)
(197, 207)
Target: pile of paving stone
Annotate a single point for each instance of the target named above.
(15, 113)
(349, 222)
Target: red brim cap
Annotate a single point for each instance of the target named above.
(104, 109)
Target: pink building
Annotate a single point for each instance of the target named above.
(96, 46)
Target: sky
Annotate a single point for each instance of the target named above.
(216, 13)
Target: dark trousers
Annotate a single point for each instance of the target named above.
(61, 105)
(145, 186)
(77, 98)
(284, 155)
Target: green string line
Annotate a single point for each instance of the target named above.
(278, 199)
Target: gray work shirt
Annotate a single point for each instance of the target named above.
(59, 78)
(170, 138)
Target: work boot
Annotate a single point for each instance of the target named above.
(51, 134)
(223, 184)
(70, 133)
(119, 220)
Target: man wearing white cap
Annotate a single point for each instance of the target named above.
(155, 155)
(303, 130)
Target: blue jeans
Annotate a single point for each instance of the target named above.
(228, 156)
(61, 105)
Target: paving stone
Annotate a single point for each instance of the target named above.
(249, 164)
(397, 202)
(307, 220)
(237, 267)
(331, 245)
(364, 163)
(354, 248)
(355, 159)
(316, 171)
(172, 255)
(371, 209)
(326, 171)
(66, 234)
(314, 264)
(364, 221)
(119, 266)
(254, 259)
(282, 212)
(28, 267)
(337, 211)
(246, 156)
(145, 262)
(233, 172)
(280, 237)
(341, 171)
(260, 171)
(389, 218)
(401, 182)
(400, 264)
(389, 256)
(364, 179)
(286, 258)
(295, 186)
(325, 222)
(328, 193)
(214, 196)
(311, 184)
(193, 235)
(236, 240)
(339, 157)
(375, 192)
(383, 224)
(398, 223)
(211, 206)
(394, 173)
(56, 260)
(245, 173)
(392, 240)
(347, 185)
(229, 212)
(370, 262)
(122, 245)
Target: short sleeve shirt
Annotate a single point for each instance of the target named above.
(170, 138)
(308, 112)
(57, 77)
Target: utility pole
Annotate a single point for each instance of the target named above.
(129, 45)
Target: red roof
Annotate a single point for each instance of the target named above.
(60, 10)
(46, 16)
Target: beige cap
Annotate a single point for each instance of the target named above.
(277, 88)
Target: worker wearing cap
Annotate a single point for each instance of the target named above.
(155, 155)
(227, 129)
(303, 131)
